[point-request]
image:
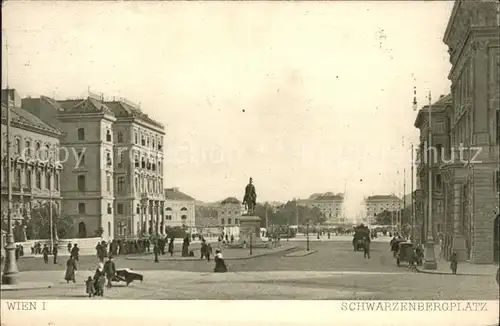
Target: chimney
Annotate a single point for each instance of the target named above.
(441, 96)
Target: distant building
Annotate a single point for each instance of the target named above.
(229, 212)
(179, 209)
(376, 204)
(331, 206)
(36, 173)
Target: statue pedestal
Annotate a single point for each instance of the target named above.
(250, 231)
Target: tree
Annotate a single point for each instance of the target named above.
(38, 224)
(287, 214)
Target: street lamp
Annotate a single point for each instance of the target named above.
(307, 236)
(251, 240)
(430, 260)
(10, 269)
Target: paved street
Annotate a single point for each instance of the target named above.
(334, 271)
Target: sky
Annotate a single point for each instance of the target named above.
(303, 97)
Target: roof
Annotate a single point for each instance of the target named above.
(21, 118)
(175, 194)
(326, 196)
(383, 197)
(88, 105)
(230, 200)
(123, 109)
(437, 107)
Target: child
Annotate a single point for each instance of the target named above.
(90, 289)
(454, 263)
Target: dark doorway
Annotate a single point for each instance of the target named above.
(82, 230)
(496, 241)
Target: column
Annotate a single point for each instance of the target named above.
(458, 238)
(157, 217)
(141, 220)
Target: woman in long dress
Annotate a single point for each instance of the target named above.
(99, 280)
(70, 270)
(220, 265)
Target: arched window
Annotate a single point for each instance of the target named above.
(183, 209)
(138, 209)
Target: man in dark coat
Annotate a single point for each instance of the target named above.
(156, 251)
(45, 253)
(54, 252)
(110, 270)
(75, 252)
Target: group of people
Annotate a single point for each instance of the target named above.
(105, 271)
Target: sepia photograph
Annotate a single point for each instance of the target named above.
(251, 150)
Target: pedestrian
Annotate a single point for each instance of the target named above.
(54, 252)
(110, 270)
(45, 253)
(69, 247)
(99, 279)
(70, 270)
(208, 251)
(156, 251)
(203, 250)
(98, 250)
(75, 252)
(454, 263)
(171, 247)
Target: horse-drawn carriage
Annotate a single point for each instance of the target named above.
(361, 238)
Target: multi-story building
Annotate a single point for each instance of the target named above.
(179, 209)
(36, 172)
(471, 210)
(331, 206)
(376, 204)
(229, 211)
(112, 183)
(431, 160)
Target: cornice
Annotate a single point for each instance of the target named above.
(29, 127)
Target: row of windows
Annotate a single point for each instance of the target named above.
(229, 221)
(23, 178)
(148, 140)
(46, 151)
(148, 163)
(120, 210)
(150, 185)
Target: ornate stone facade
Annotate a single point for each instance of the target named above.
(472, 36)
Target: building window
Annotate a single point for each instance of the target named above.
(119, 209)
(108, 183)
(120, 184)
(153, 143)
(497, 181)
(27, 148)
(108, 135)
(38, 180)
(136, 160)
(236, 221)
(229, 221)
(109, 162)
(222, 221)
(160, 146)
(184, 217)
(17, 179)
(143, 141)
(56, 181)
(143, 163)
(17, 148)
(81, 183)
(47, 152)
(27, 179)
(120, 137)
(81, 208)
(136, 138)
(47, 180)
(439, 182)
(110, 210)
(138, 209)
(81, 159)
(81, 134)
(440, 127)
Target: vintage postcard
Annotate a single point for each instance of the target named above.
(250, 162)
